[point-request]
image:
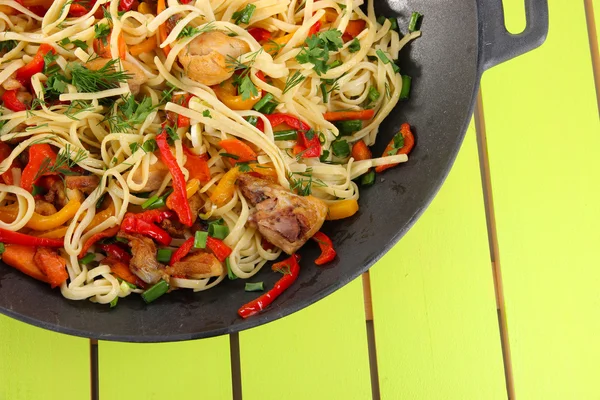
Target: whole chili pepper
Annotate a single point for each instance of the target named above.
(11, 237)
(115, 251)
(98, 236)
(181, 204)
(260, 34)
(12, 102)
(152, 216)
(182, 251)
(38, 154)
(327, 251)
(219, 249)
(34, 66)
(259, 304)
(134, 225)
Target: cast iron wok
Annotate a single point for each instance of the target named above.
(461, 39)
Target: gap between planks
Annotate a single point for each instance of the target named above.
(493, 242)
(375, 390)
(593, 38)
(94, 382)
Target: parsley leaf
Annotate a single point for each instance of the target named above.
(206, 113)
(247, 88)
(317, 48)
(8, 45)
(188, 31)
(244, 15)
(129, 113)
(101, 31)
(354, 46)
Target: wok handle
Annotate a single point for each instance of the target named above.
(499, 45)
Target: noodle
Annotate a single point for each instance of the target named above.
(82, 126)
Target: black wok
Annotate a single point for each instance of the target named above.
(461, 39)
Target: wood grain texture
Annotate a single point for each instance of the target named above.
(39, 364)
(434, 308)
(543, 139)
(317, 353)
(198, 369)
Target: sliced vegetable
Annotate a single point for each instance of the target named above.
(327, 251)
(39, 154)
(116, 252)
(363, 115)
(368, 179)
(134, 225)
(259, 304)
(102, 47)
(88, 258)
(238, 148)
(162, 29)
(182, 251)
(402, 143)
(260, 34)
(230, 273)
(340, 148)
(406, 84)
(96, 237)
(197, 165)
(151, 216)
(219, 249)
(354, 28)
(347, 128)
(10, 237)
(200, 239)
(263, 102)
(164, 255)
(21, 257)
(10, 100)
(360, 151)
(121, 270)
(228, 94)
(36, 65)
(7, 175)
(223, 193)
(342, 209)
(146, 46)
(155, 291)
(290, 134)
(254, 286)
(218, 231)
(415, 20)
(52, 265)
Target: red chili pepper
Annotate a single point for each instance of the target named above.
(34, 66)
(126, 5)
(197, 166)
(315, 28)
(259, 304)
(94, 238)
(38, 154)
(12, 102)
(152, 216)
(181, 206)
(260, 34)
(10, 237)
(116, 252)
(134, 225)
(219, 249)
(182, 251)
(327, 251)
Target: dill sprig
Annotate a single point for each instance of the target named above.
(293, 81)
(302, 182)
(89, 81)
(246, 88)
(129, 113)
(64, 161)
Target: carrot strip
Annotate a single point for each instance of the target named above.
(333, 116)
(52, 265)
(21, 258)
(238, 148)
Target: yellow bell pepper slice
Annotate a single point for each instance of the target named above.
(273, 46)
(342, 209)
(225, 188)
(57, 233)
(227, 93)
(40, 222)
(101, 216)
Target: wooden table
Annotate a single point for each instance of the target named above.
(494, 293)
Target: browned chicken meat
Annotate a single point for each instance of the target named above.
(206, 58)
(138, 78)
(44, 208)
(197, 265)
(176, 228)
(86, 184)
(283, 218)
(143, 263)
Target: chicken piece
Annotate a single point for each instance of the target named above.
(197, 265)
(58, 195)
(143, 263)
(138, 78)
(156, 175)
(176, 228)
(205, 59)
(84, 183)
(11, 84)
(283, 218)
(44, 208)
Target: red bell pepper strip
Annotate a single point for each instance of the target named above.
(134, 225)
(126, 5)
(259, 304)
(5, 151)
(315, 28)
(179, 121)
(77, 10)
(408, 141)
(197, 166)
(333, 116)
(181, 206)
(310, 143)
(152, 216)
(182, 251)
(98, 236)
(219, 249)
(12, 102)
(293, 122)
(11, 237)
(38, 154)
(327, 251)
(34, 66)
(117, 252)
(260, 34)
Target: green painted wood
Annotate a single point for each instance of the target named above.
(434, 308)
(543, 139)
(198, 369)
(317, 353)
(39, 364)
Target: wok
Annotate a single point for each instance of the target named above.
(461, 39)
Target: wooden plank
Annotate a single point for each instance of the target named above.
(192, 369)
(434, 307)
(40, 364)
(319, 352)
(543, 139)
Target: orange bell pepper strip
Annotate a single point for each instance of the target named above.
(354, 28)
(273, 46)
(162, 29)
(101, 217)
(94, 238)
(328, 253)
(52, 265)
(334, 116)
(102, 47)
(237, 148)
(145, 46)
(38, 154)
(360, 151)
(121, 270)
(197, 166)
(227, 94)
(21, 257)
(330, 15)
(402, 143)
(342, 209)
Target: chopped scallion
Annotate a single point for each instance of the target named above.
(354, 46)
(252, 120)
(37, 190)
(374, 94)
(254, 287)
(382, 56)
(340, 148)
(89, 257)
(394, 23)
(414, 23)
(2, 248)
(335, 64)
(230, 273)
(269, 108)
(113, 302)
(324, 92)
(347, 128)
(218, 231)
(406, 84)
(368, 179)
(200, 239)
(164, 255)
(263, 102)
(289, 134)
(155, 291)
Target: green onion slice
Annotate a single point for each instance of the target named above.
(254, 287)
(200, 239)
(155, 291)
